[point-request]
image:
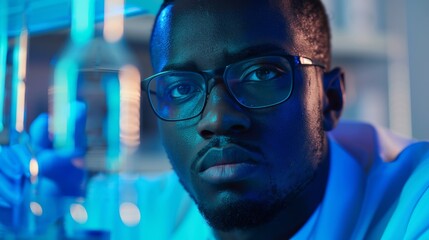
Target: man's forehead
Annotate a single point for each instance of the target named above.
(224, 4)
(221, 30)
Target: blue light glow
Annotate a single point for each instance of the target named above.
(3, 55)
(65, 82)
(82, 26)
(111, 83)
(14, 88)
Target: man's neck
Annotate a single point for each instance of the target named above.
(294, 216)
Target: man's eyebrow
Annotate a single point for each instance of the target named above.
(178, 66)
(254, 51)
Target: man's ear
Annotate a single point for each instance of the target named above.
(334, 97)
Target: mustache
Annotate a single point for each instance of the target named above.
(219, 142)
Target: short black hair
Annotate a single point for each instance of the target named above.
(313, 21)
(310, 18)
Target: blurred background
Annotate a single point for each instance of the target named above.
(382, 46)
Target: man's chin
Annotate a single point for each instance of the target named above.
(241, 215)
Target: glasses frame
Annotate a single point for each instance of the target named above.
(294, 61)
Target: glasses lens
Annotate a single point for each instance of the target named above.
(177, 95)
(261, 82)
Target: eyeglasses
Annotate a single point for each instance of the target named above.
(258, 82)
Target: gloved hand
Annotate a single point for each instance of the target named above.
(14, 171)
(60, 173)
(64, 168)
(13, 177)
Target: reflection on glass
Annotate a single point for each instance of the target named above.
(114, 20)
(78, 213)
(34, 170)
(129, 79)
(12, 76)
(100, 73)
(3, 65)
(20, 58)
(36, 208)
(130, 214)
(96, 77)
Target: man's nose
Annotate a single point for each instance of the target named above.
(222, 115)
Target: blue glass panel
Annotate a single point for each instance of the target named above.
(48, 15)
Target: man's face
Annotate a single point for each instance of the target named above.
(240, 165)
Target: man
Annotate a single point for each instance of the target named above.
(246, 98)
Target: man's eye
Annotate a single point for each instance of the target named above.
(181, 91)
(263, 73)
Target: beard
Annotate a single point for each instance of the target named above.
(246, 214)
(242, 214)
(236, 214)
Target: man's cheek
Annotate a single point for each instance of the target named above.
(179, 145)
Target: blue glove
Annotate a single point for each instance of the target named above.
(60, 172)
(14, 172)
(13, 178)
(64, 168)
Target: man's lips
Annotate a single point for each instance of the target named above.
(226, 164)
(230, 154)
